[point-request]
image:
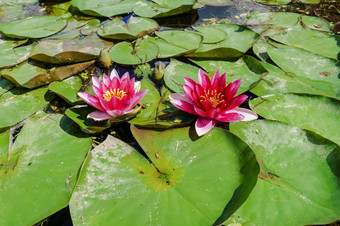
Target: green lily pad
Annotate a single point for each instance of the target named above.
(314, 41)
(211, 34)
(69, 51)
(315, 113)
(10, 57)
(299, 178)
(35, 27)
(239, 40)
(5, 85)
(162, 8)
(246, 68)
(175, 73)
(281, 20)
(31, 75)
(324, 72)
(17, 105)
(53, 157)
(260, 48)
(131, 191)
(138, 52)
(136, 28)
(276, 81)
(166, 49)
(184, 39)
(274, 2)
(105, 8)
(10, 44)
(67, 89)
(78, 114)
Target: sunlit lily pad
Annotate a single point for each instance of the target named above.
(40, 169)
(14, 56)
(78, 114)
(162, 8)
(211, 34)
(138, 52)
(238, 41)
(166, 49)
(67, 89)
(299, 178)
(5, 85)
(35, 27)
(323, 72)
(315, 113)
(274, 2)
(184, 39)
(69, 51)
(105, 8)
(277, 81)
(16, 105)
(10, 44)
(246, 68)
(130, 190)
(136, 28)
(215, 2)
(30, 74)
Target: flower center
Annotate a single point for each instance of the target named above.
(114, 93)
(213, 97)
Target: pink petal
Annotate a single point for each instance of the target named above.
(99, 115)
(115, 113)
(91, 100)
(215, 80)
(185, 104)
(106, 80)
(96, 82)
(200, 112)
(137, 86)
(247, 114)
(107, 105)
(231, 90)
(98, 92)
(203, 79)
(229, 117)
(189, 92)
(223, 81)
(180, 96)
(114, 74)
(204, 125)
(137, 98)
(236, 101)
(189, 82)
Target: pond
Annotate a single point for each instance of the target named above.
(170, 112)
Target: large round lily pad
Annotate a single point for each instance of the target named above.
(41, 169)
(34, 27)
(189, 180)
(299, 178)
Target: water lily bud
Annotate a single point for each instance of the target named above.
(104, 59)
(158, 71)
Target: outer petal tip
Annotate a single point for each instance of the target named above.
(204, 125)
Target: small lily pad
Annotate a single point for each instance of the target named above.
(138, 52)
(67, 89)
(184, 39)
(211, 34)
(136, 28)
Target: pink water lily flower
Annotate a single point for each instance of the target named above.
(212, 100)
(115, 96)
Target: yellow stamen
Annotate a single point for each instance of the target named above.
(114, 93)
(213, 97)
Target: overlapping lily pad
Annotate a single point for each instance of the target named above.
(42, 174)
(299, 178)
(35, 27)
(105, 8)
(31, 75)
(185, 185)
(136, 28)
(138, 52)
(17, 105)
(321, 72)
(162, 8)
(211, 34)
(10, 44)
(315, 113)
(70, 50)
(5, 85)
(239, 40)
(67, 89)
(10, 57)
(78, 114)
